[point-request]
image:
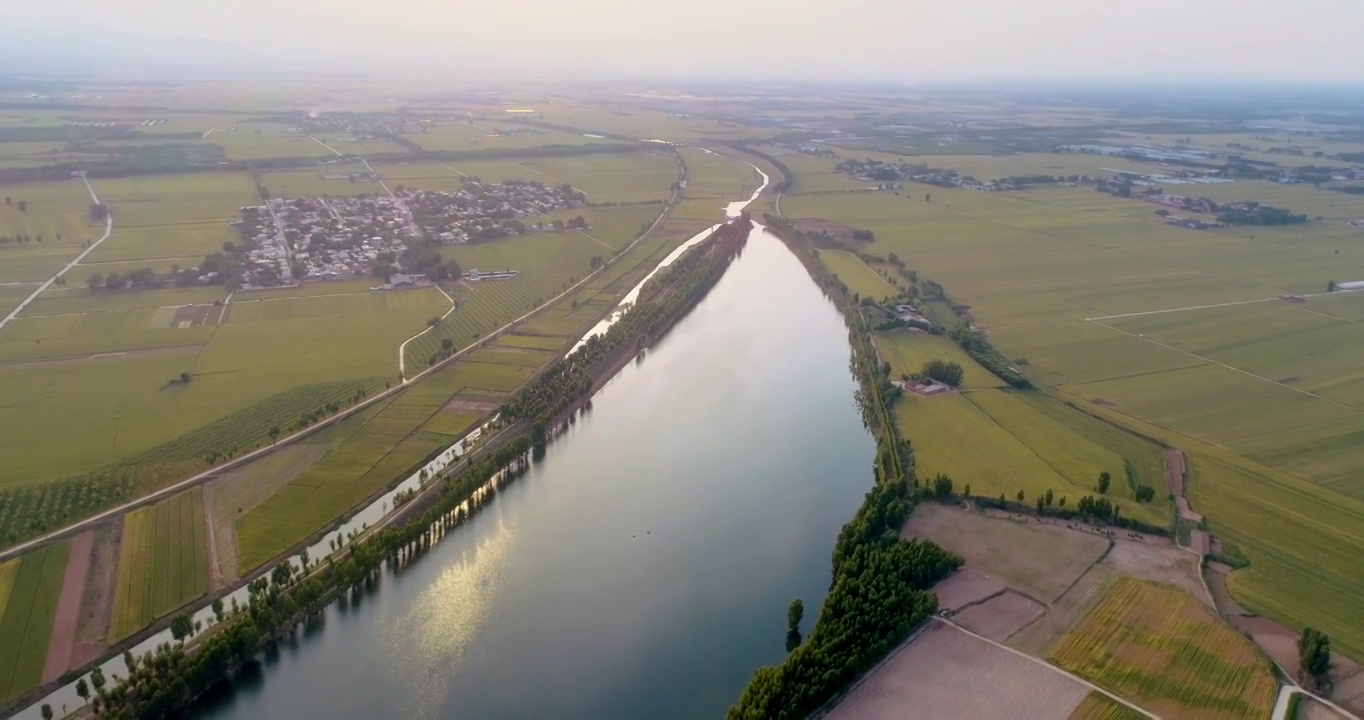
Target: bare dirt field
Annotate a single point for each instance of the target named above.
(469, 405)
(1039, 560)
(946, 673)
(965, 587)
(1001, 616)
(1159, 562)
(1313, 710)
(98, 603)
(63, 638)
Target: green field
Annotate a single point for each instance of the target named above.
(857, 275)
(1098, 706)
(1099, 301)
(56, 212)
(26, 619)
(163, 562)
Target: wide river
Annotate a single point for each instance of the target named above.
(643, 568)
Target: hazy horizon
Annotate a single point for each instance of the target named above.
(916, 42)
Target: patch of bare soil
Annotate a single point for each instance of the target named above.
(471, 405)
(1038, 559)
(944, 672)
(1160, 563)
(1104, 403)
(964, 587)
(1349, 687)
(1001, 616)
(1041, 636)
(62, 641)
(98, 604)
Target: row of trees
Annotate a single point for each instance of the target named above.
(661, 302)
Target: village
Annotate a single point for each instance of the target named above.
(289, 240)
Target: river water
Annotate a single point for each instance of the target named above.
(643, 568)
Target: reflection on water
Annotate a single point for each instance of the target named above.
(435, 639)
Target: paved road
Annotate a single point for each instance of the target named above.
(108, 230)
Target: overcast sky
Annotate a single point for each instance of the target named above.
(901, 40)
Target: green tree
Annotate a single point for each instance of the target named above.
(97, 678)
(83, 690)
(794, 613)
(274, 434)
(1314, 656)
(1048, 498)
(966, 491)
(1020, 496)
(218, 609)
(182, 627)
(947, 373)
(1104, 481)
(46, 709)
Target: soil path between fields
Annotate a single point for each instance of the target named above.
(62, 641)
(215, 573)
(97, 607)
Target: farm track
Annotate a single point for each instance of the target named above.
(211, 473)
(108, 230)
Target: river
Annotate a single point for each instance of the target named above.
(643, 568)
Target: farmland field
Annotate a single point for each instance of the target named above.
(942, 672)
(857, 275)
(163, 562)
(26, 618)
(1099, 301)
(1160, 647)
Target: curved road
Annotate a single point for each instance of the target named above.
(108, 230)
(209, 474)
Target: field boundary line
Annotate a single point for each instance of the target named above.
(108, 230)
(1096, 318)
(1224, 365)
(1049, 666)
(580, 232)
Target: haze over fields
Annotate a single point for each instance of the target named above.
(916, 41)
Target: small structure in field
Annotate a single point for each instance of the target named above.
(924, 388)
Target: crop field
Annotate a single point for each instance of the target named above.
(907, 351)
(1000, 443)
(315, 183)
(376, 455)
(1265, 393)
(26, 619)
(51, 229)
(941, 674)
(1165, 650)
(1098, 706)
(857, 275)
(163, 562)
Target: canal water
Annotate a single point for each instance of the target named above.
(643, 568)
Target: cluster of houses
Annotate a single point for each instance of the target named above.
(363, 126)
(487, 211)
(288, 240)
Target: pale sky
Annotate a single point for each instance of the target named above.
(896, 40)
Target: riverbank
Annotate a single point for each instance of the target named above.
(278, 604)
(879, 590)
